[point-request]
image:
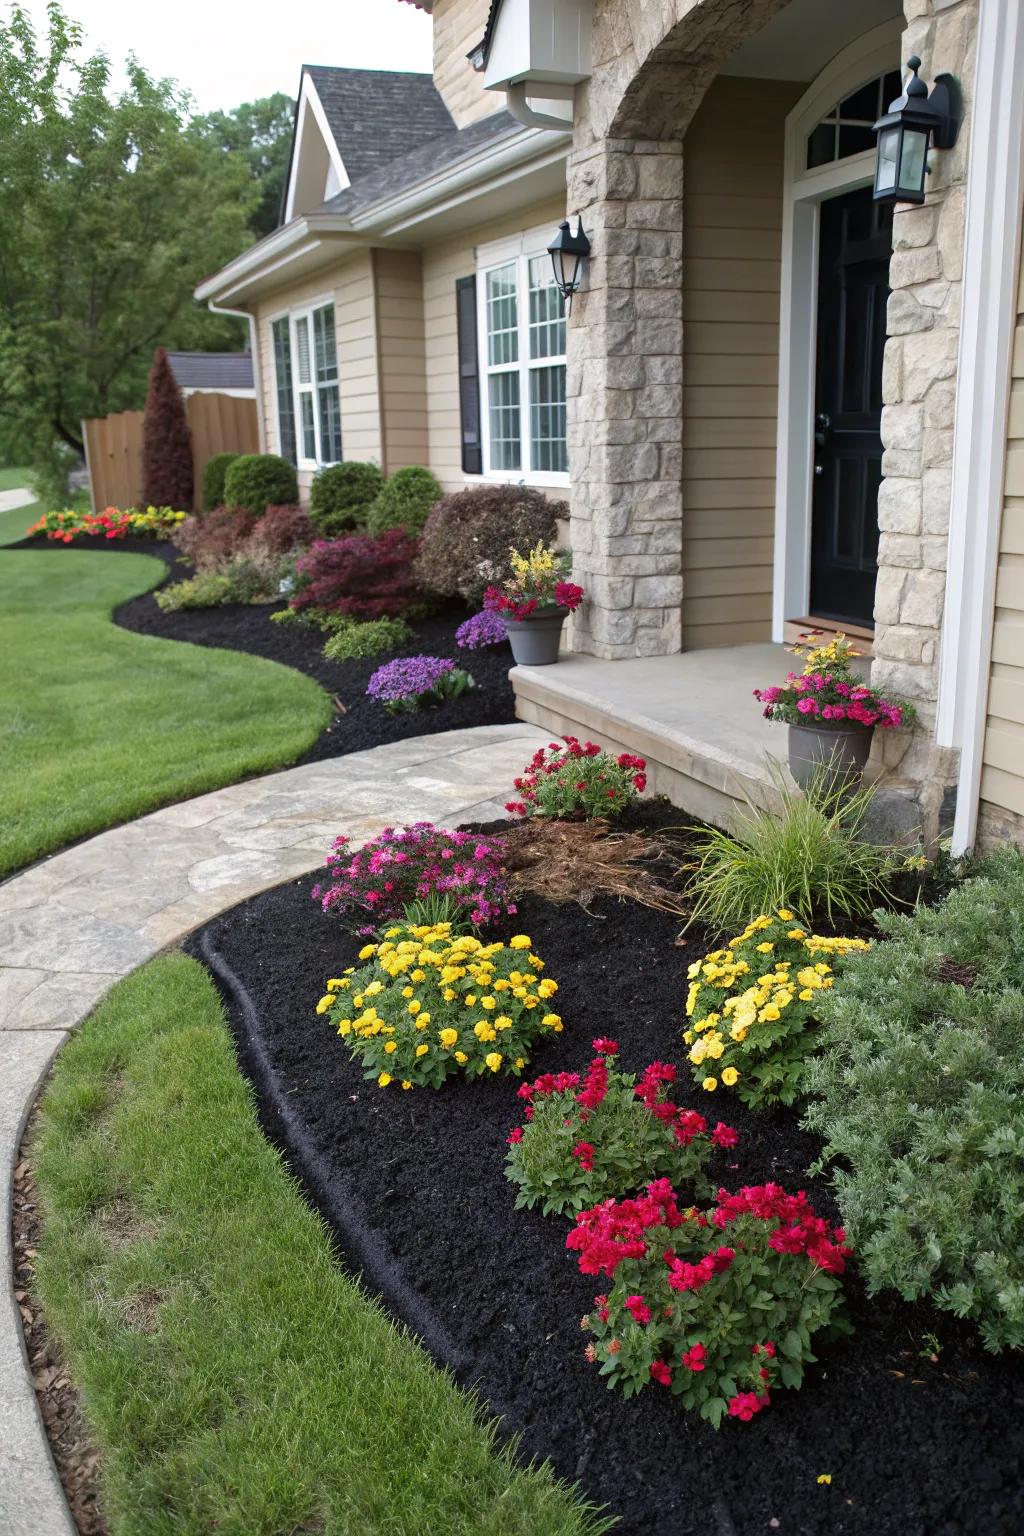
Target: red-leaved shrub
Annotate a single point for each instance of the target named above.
(278, 532)
(166, 441)
(214, 538)
(365, 575)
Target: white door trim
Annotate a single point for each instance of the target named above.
(803, 193)
(995, 184)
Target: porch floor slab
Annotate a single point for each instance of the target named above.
(693, 716)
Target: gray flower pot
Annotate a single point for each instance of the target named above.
(841, 750)
(535, 640)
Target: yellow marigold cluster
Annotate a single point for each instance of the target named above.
(428, 1003)
(751, 1003)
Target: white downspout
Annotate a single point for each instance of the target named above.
(257, 372)
(515, 98)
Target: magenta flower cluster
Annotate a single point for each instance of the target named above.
(486, 628)
(408, 677)
(410, 864)
(825, 698)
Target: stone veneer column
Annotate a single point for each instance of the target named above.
(919, 390)
(624, 391)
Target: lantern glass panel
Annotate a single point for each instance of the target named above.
(913, 160)
(888, 159)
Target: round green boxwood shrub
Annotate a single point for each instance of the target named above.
(213, 479)
(257, 481)
(342, 495)
(404, 501)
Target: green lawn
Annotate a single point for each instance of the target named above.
(98, 725)
(234, 1378)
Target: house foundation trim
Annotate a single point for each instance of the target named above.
(995, 186)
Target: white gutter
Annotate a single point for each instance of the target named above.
(515, 99)
(279, 243)
(995, 184)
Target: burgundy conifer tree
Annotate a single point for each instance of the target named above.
(167, 474)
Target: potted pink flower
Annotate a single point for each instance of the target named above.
(831, 713)
(534, 602)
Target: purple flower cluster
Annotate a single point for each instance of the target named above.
(410, 864)
(408, 677)
(486, 628)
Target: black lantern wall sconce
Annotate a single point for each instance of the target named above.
(568, 252)
(914, 122)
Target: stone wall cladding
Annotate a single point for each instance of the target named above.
(625, 373)
(919, 389)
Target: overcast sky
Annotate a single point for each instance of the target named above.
(229, 51)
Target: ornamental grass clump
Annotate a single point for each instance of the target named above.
(427, 1003)
(918, 1092)
(753, 1008)
(594, 1138)
(400, 866)
(810, 854)
(574, 779)
(415, 682)
(721, 1307)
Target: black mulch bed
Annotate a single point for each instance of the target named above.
(413, 1188)
(361, 722)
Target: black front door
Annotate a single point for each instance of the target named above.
(853, 286)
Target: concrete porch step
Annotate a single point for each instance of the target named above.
(692, 716)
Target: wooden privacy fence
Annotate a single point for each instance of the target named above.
(113, 445)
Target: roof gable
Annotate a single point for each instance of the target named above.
(350, 123)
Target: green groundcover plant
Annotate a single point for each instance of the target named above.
(351, 639)
(919, 1095)
(752, 1008)
(593, 1139)
(722, 1306)
(430, 1003)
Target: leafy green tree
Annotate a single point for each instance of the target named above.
(113, 208)
(260, 132)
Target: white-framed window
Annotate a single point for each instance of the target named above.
(521, 328)
(306, 377)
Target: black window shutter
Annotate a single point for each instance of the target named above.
(469, 376)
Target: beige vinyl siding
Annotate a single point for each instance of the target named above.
(1002, 774)
(350, 285)
(732, 231)
(442, 264)
(398, 294)
(458, 27)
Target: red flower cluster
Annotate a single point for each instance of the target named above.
(547, 1083)
(695, 1357)
(566, 595)
(583, 1152)
(799, 1229)
(564, 780)
(745, 1404)
(692, 1277)
(614, 1230)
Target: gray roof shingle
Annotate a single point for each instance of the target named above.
(435, 154)
(376, 115)
(212, 370)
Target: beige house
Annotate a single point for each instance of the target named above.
(776, 400)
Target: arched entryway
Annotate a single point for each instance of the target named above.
(680, 170)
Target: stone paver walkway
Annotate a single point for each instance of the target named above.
(9, 500)
(69, 928)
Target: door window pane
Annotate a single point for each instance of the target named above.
(505, 439)
(502, 316)
(547, 419)
(547, 321)
(846, 130)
